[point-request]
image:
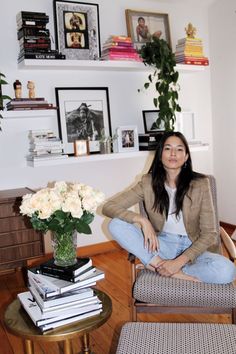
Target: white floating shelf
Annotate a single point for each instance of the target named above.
(112, 65)
(102, 157)
(31, 113)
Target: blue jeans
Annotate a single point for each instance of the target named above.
(208, 267)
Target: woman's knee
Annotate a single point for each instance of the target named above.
(226, 272)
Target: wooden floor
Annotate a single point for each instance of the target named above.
(103, 340)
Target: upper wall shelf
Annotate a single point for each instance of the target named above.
(31, 64)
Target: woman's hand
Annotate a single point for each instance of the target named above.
(150, 237)
(170, 267)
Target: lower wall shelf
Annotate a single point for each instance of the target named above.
(103, 157)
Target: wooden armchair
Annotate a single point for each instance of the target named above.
(156, 294)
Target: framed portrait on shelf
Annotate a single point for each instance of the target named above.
(83, 114)
(141, 26)
(81, 147)
(127, 138)
(77, 32)
(149, 122)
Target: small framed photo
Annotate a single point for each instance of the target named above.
(185, 123)
(77, 29)
(83, 114)
(149, 122)
(141, 26)
(81, 147)
(127, 138)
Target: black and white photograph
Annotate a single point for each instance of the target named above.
(142, 25)
(77, 29)
(83, 114)
(149, 122)
(127, 138)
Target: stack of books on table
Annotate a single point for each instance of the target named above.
(23, 104)
(119, 48)
(44, 145)
(34, 37)
(190, 51)
(61, 295)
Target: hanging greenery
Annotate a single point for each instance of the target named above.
(3, 97)
(160, 57)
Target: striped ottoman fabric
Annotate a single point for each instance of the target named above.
(177, 338)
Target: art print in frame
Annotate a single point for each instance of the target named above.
(141, 26)
(83, 114)
(149, 122)
(127, 138)
(77, 29)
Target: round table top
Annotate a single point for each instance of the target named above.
(20, 324)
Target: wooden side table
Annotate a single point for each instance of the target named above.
(19, 323)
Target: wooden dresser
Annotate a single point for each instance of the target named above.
(18, 240)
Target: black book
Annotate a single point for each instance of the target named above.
(25, 32)
(73, 279)
(70, 271)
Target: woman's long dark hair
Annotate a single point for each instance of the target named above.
(186, 175)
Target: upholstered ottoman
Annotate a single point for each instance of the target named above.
(177, 338)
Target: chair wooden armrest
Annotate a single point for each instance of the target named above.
(229, 244)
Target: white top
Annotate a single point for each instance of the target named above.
(173, 225)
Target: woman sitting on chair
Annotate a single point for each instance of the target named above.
(179, 236)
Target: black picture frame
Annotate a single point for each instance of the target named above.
(83, 113)
(149, 122)
(77, 30)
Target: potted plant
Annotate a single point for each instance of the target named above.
(158, 54)
(3, 97)
(105, 142)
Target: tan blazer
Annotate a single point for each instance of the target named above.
(198, 213)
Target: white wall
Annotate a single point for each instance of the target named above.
(125, 102)
(222, 19)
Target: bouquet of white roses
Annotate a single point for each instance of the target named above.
(62, 208)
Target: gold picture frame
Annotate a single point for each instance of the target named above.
(141, 25)
(81, 148)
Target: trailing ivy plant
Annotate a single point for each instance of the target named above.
(160, 57)
(3, 97)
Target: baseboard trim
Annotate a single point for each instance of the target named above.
(84, 251)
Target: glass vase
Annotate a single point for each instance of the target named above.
(64, 248)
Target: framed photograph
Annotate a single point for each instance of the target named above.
(127, 138)
(77, 29)
(83, 114)
(142, 25)
(149, 122)
(185, 123)
(81, 147)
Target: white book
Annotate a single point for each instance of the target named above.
(70, 320)
(33, 310)
(49, 286)
(62, 301)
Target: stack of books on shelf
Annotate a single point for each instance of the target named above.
(58, 296)
(44, 145)
(119, 48)
(190, 51)
(22, 104)
(34, 37)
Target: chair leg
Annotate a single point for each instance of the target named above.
(234, 316)
(133, 311)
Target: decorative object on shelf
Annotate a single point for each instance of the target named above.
(142, 26)
(119, 48)
(33, 103)
(3, 97)
(18, 89)
(62, 208)
(189, 50)
(77, 29)
(31, 88)
(158, 54)
(185, 123)
(106, 142)
(83, 112)
(81, 147)
(149, 122)
(127, 139)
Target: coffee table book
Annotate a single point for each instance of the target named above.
(85, 274)
(72, 271)
(50, 286)
(33, 310)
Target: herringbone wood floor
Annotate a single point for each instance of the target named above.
(103, 340)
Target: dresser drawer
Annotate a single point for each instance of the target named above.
(19, 237)
(16, 253)
(10, 209)
(14, 223)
